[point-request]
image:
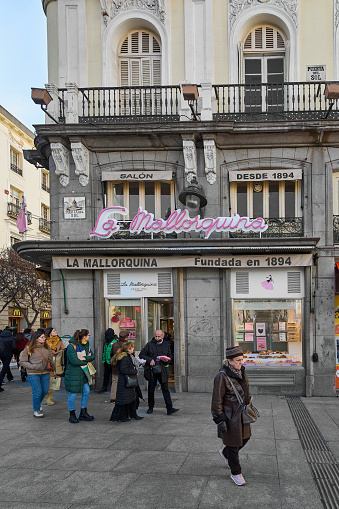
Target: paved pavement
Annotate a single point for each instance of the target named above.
(160, 462)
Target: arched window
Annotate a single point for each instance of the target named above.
(263, 69)
(140, 59)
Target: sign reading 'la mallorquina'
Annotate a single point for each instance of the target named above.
(179, 221)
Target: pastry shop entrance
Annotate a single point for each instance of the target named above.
(160, 316)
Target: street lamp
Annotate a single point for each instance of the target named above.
(43, 97)
(190, 94)
(193, 197)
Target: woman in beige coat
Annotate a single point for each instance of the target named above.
(55, 344)
(35, 358)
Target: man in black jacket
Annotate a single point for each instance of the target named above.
(7, 350)
(157, 369)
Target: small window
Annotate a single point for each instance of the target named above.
(45, 212)
(16, 164)
(44, 181)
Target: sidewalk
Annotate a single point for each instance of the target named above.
(159, 462)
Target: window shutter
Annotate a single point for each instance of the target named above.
(269, 38)
(146, 72)
(145, 42)
(113, 284)
(156, 46)
(135, 73)
(258, 38)
(124, 75)
(164, 283)
(124, 46)
(157, 72)
(242, 282)
(135, 42)
(293, 282)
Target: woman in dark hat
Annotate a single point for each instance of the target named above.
(226, 410)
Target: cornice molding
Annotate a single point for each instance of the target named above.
(45, 4)
(111, 8)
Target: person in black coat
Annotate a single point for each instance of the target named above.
(8, 348)
(157, 354)
(125, 404)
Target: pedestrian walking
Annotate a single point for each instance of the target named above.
(125, 405)
(157, 354)
(226, 410)
(9, 347)
(37, 359)
(28, 332)
(55, 344)
(115, 371)
(21, 341)
(79, 355)
(110, 339)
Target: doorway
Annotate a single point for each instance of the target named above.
(160, 316)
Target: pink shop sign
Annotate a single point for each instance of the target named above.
(179, 221)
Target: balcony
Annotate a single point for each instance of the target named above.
(16, 169)
(274, 101)
(278, 227)
(44, 225)
(290, 101)
(124, 233)
(13, 211)
(44, 187)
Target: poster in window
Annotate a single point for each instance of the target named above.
(74, 207)
(239, 337)
(260, 329)
(282, 325)
(261, 343)
(249, 326)
(249, 336)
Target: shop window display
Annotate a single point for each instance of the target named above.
(125, 315)
(268, 331)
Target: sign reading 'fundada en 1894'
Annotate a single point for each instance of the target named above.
(179, 221)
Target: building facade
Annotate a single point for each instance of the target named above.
(20, 180)
(207, 211)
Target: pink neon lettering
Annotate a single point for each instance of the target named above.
(170, 223)
(109, 225)
(261, 224)
(142, 215)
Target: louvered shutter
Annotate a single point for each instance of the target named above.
(113, 284)
(294, 282)
(242, 283)
(164, 283)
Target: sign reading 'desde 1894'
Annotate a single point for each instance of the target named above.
(260, 175)
(179, 221)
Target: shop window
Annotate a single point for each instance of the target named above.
(269, 199)
(125, 315)
(154, 196)
(269, 331)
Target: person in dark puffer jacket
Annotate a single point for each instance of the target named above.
(8, 349)
(125, 405)
(78, 354)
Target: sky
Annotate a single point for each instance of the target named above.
(23, 52)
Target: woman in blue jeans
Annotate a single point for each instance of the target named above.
(76, 381)
(35, 358)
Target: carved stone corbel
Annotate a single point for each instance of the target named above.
(210, 154)
(60, 155)
(81, 159)
(190, 158)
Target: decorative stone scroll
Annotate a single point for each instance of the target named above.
(236, 7)
(210, 161)
(190, 157)
(111, 8)
(81, 159)
(60, 155)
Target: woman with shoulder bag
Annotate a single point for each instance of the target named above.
(227, 411)
(56, 345)
(78, 356)
(125, 405)
(37, 359)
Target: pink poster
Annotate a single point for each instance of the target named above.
(249, 326)
(261, 343)
(249, 336)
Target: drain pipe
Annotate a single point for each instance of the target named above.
(63, 284)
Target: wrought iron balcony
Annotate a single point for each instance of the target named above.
(125, 104)
(13, 211)
(277, 227)
(16, 169)
(274, 101)
(44, 225)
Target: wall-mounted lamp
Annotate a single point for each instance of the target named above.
(43, 97)
(190, 94)
(193, 197)
(331, 92)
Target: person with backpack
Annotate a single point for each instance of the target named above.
(110, 339)
(37, 358)
(56, 345)
(79, 355)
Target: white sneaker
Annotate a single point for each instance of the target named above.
(38, 414)
(238, 479)
(223, 457)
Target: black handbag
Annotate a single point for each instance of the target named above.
(156, 369)
(249, 413)
(131, 381)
